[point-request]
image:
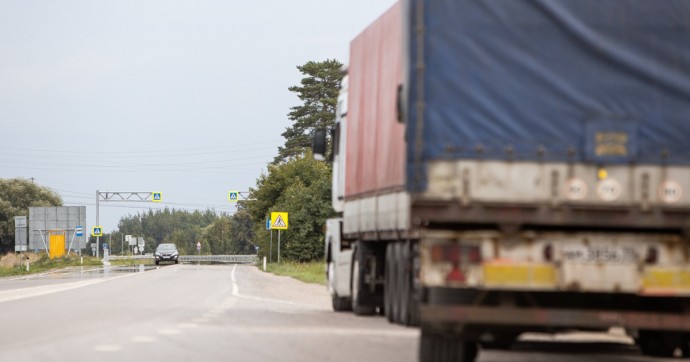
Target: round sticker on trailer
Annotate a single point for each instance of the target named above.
(575, 189)
(609, 190)
(670, 192)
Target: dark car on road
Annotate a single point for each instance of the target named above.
(166, 252)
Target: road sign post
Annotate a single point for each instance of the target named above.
(270, 248)
(279, 221)
(278, 246)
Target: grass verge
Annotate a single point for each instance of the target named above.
(312, 272)
(15, 264)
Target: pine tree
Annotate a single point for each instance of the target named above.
(319, 93)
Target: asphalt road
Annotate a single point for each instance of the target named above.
(222, 313)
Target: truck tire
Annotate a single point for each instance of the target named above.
(359, 306)
(413, 260)
(437, 347)
(340, 304)
(405, 284)
(388, 292)
(661, 344)
(399, 301)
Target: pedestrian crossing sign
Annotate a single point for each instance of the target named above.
(279, 220)
(157, 196)
(233, 196)
(97, 231)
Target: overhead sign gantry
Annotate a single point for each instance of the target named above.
(120, 196)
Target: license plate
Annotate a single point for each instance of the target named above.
(600, 254)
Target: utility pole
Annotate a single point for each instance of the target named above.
(97, 221)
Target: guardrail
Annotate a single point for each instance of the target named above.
(237, 259)
(240, 259)
(127, 257)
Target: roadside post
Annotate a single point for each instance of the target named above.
(279, 221)
(270, 248)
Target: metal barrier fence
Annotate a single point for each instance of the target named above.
(238, 259)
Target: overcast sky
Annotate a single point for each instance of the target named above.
(184, 97)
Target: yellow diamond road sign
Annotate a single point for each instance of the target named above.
(279, 220)
(157, 196)
(97, 231)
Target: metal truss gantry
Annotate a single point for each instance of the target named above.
(118, 196)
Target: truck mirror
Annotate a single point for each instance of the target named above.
(319, 145)
(400, 105)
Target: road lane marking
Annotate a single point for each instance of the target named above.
(235, 288)
(16, 294)
(168, 331)
(140, 339)
(107, 348)
(22, 293)
(236, 293)
(200, 320)
(187, 325)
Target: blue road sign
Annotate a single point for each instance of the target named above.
(105, 245)
(157, 196)
(79, 230)
(268, 224)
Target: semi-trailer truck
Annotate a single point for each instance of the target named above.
(503, 166)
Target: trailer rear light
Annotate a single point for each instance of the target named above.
(474, 254)
(456, 253)
(652, 255)
(456, 275)
(445, 253)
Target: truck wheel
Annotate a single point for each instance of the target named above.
(405, 285)
(661, 344)
(357, 285)
(339, 303)
(399, 302)
(437, 347)
(388, 291)
(413, 299)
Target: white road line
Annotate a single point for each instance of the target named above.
(16, 294)
(235, 288)
(236, 293)
(200, 320)
(187, 325)
(140, 339)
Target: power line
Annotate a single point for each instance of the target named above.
(139, 153)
